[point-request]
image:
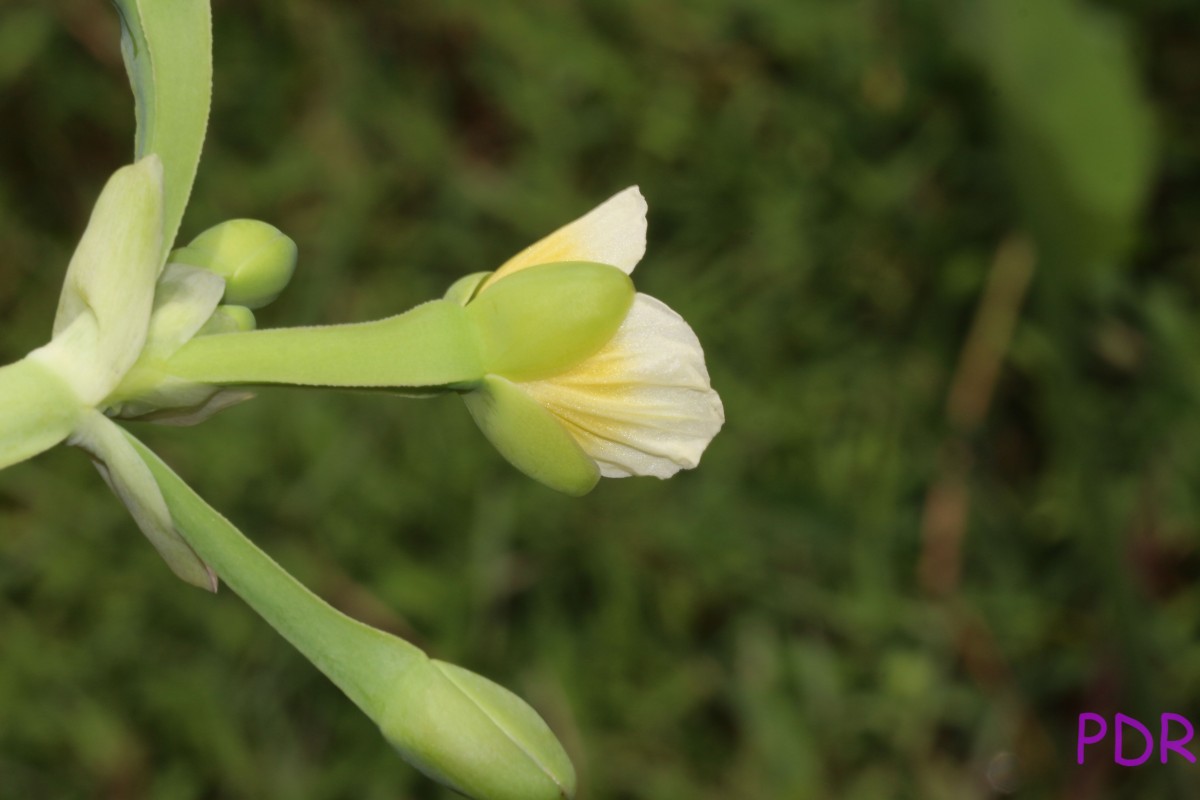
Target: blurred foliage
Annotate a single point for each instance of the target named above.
(916, 552)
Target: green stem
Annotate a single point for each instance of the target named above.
(37, 411)
(433, 344)
(365, 663)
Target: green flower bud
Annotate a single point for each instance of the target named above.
(475, 736)
(546, 319)
(229, 319)
(255, 259)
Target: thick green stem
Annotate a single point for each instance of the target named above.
(37, 411)
(432, 345)
(365, 663)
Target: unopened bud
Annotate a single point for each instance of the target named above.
(475, 736)
(255, 259)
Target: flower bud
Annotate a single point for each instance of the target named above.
(229, 319)
(546, 319)
(255, 259)
(475, 736)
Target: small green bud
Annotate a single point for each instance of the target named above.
(475, 736)
(544, 320)
(255, 259)
(229, 319)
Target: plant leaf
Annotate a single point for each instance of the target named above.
(1078, 127)
(167, 46)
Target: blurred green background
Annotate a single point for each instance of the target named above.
(945, 261)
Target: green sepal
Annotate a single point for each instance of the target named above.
(530, 437)
(167, 47)
(543, 320)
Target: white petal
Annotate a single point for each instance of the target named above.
(612, 233)
(131, 480)
(643, 405)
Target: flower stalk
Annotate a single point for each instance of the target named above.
(431, 345)
(454, 725)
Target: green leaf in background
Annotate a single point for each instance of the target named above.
(23, 36)
(167, 45)
(1080, 134)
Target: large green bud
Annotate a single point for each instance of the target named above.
(255, 259)
(475, 736)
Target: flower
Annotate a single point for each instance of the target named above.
(639, 404)
(569, 372)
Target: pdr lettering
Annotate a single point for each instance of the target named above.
(1133, 742)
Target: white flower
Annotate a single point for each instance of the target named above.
(643, 404)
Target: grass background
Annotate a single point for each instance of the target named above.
(945, 261)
